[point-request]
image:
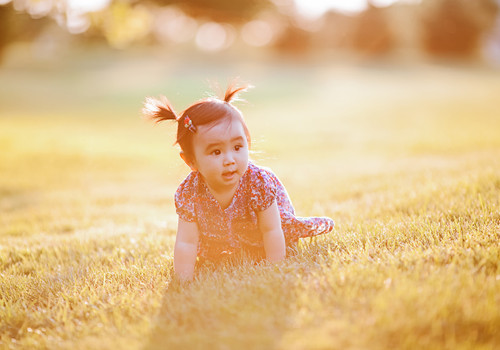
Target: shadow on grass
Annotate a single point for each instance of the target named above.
(234, 306)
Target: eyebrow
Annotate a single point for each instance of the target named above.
(213, 144)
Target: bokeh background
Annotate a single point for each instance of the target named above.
(381, 114)
(112, 52)
(332, 29)
(99, 54)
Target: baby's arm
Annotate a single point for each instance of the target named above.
(185, 250)
(270, 226)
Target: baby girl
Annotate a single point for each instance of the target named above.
(227, 206)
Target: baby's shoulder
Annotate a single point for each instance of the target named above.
(262, 187)
(259, 170)
(259, 174)
(188, 186)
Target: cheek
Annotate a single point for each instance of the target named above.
(209, 163)
(243, 157)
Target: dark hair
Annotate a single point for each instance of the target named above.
(203, 112)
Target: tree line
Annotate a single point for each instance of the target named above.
(453, 28)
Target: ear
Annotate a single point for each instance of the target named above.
(188, 161)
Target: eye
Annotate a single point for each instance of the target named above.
(215, 152)
(238, 147)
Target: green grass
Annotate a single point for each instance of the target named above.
(406, 160)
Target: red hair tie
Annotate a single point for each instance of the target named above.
(188, 124)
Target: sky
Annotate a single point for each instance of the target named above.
(315, 8)
(88, 5)
(309, 8)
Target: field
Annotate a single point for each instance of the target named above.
(405, 159)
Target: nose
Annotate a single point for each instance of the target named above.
(228, 158)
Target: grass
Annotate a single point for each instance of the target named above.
(405, 159)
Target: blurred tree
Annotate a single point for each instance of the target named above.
(372, 35)
(121, 22)
(4, 29)
(294, 40)
(456, 27)
(219, 10)
(17, 26)
(337, 31)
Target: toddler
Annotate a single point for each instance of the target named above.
(227, 206)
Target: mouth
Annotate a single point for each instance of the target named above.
(229, 175)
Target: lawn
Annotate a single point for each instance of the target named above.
(405, 159)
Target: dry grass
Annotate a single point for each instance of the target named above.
(407, 161)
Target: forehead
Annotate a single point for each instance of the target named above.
(221, 131)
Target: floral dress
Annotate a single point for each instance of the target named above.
(235, 230)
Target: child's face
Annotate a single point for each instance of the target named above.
(221, 154)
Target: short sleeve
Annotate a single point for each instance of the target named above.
(263, 189)
(185, 198)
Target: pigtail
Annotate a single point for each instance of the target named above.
(233, 90)
(158, 110)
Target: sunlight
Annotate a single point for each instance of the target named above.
(319, 7)
(257, 33)
(84, 6)
(212, 36)
(75, 8)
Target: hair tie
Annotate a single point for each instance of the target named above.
(188, 124)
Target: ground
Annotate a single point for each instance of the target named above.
(405, 159)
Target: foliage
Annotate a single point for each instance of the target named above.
(455, 28)
(220, 10)
(441, 28)
(372, 35)
(15, 27)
